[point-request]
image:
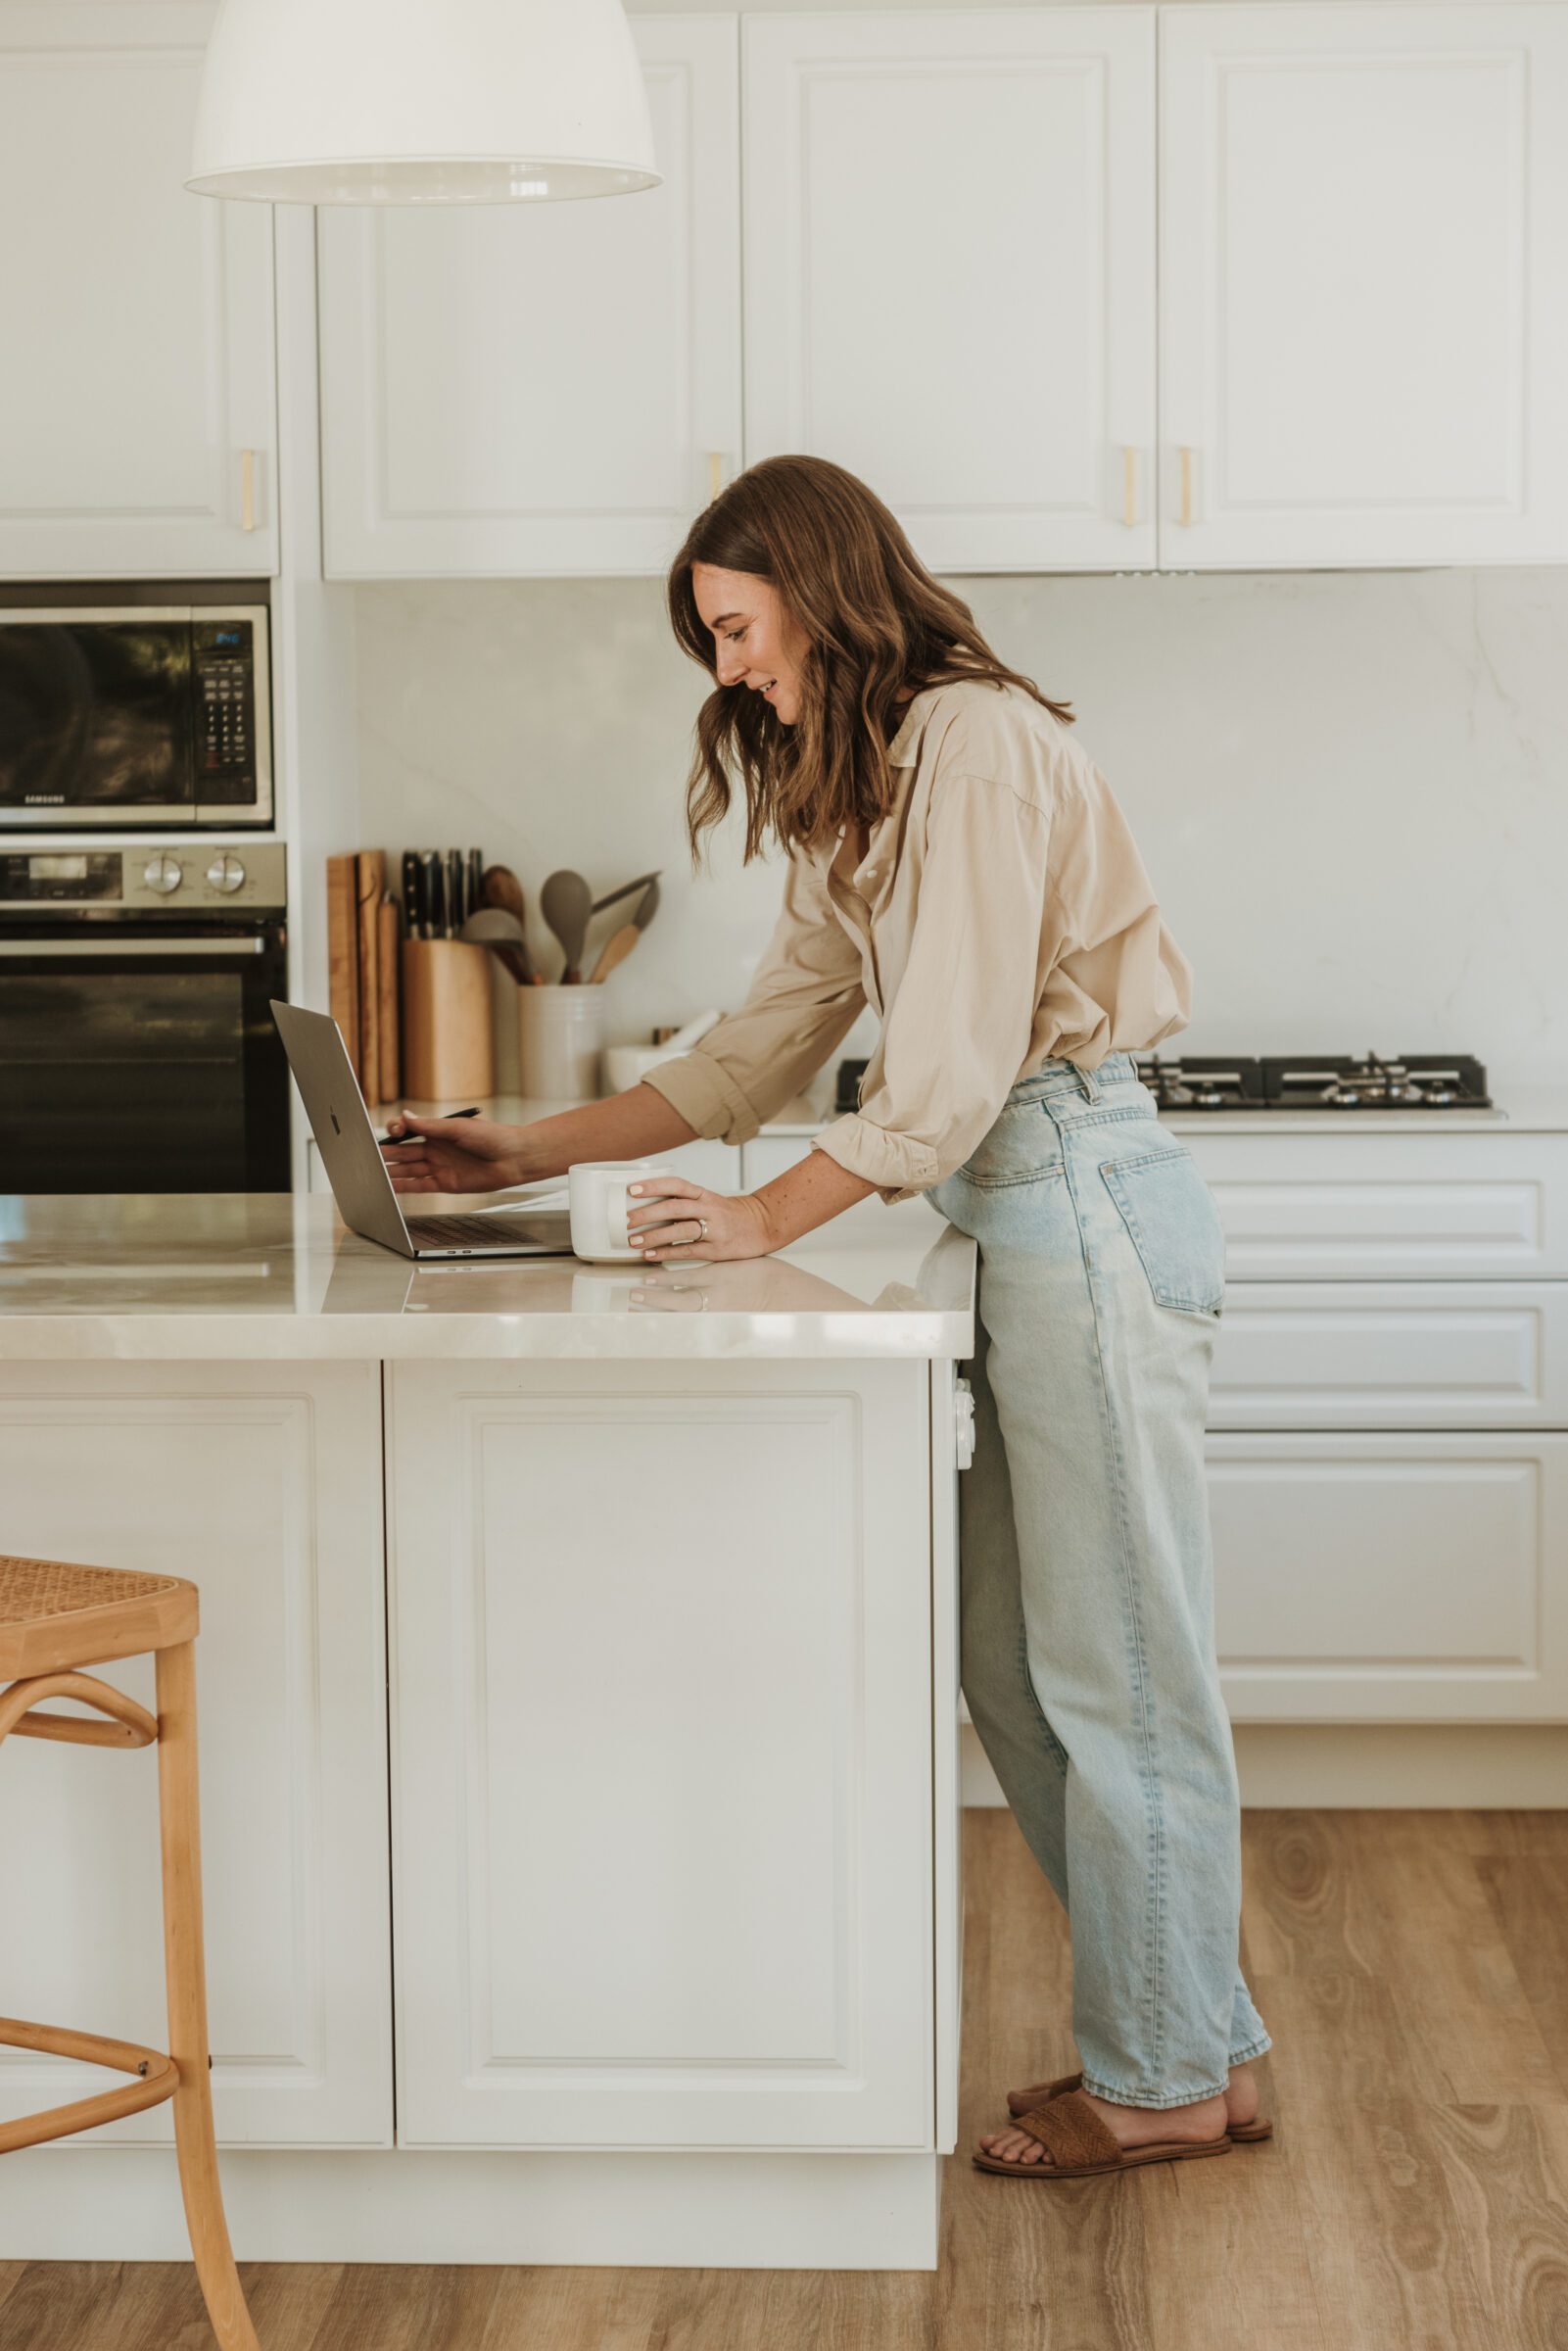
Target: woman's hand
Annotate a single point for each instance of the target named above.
(690, 1225)
(454, 1154)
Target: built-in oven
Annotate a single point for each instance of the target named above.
(137, 1050)
(122, 706)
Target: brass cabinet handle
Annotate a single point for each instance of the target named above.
(247, 489)
(1130, 488)
(1185, 517)
(715, 473)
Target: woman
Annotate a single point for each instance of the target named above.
(957, 861)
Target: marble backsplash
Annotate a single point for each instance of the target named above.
(1350, 787)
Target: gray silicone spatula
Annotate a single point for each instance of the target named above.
(566, 903)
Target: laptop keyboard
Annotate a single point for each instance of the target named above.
(475, 1229)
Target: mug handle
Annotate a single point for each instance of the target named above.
(616, 1205)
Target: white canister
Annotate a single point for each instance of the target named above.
(559, 1033)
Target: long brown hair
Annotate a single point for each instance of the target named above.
(876, 622)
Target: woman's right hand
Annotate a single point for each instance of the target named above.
(454, 1154)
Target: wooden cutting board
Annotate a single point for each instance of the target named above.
(343, 951)
(390, 934)
(370, 888)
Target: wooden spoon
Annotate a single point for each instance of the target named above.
(621, 942)
(500, 886)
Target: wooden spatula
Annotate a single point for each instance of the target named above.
(616, 949)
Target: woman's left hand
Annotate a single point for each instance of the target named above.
(689, 1226)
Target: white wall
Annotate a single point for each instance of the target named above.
(1350, 789)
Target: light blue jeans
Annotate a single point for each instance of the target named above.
(1086, 1577)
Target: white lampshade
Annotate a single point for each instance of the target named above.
(421, 101)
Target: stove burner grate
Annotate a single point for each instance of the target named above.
(1338, 1083)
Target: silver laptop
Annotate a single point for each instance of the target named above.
(358, 1172)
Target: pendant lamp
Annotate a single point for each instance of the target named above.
(421, 101)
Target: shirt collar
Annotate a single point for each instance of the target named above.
(904, 749)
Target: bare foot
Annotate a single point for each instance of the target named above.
(1136, 2126)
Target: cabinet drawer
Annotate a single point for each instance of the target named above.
(717, 1165)
(768, 1155)
(1385, 1207)
(1391, 1355)
(1391, 1578)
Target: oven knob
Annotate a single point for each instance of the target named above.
(163, 874)
(225, 872)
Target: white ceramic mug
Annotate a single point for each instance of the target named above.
(597, 1189)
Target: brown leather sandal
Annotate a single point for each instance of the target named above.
(1023, 2102)
(1079, 2142)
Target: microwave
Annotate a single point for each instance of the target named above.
(134, 713)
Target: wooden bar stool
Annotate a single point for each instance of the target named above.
(54, 1619)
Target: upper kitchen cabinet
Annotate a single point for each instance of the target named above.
(548, 387)
(138, 404)
(1363, 335)
(950, 272)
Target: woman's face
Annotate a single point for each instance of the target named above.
(756, 642)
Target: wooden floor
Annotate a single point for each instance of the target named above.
(1413, 1970)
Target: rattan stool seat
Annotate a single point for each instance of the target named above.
(55, 1614)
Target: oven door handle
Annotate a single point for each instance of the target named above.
(19, 948)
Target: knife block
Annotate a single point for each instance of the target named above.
(449, 1045)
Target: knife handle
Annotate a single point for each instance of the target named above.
(435, 894)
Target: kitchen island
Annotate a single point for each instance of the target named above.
(578, 1679)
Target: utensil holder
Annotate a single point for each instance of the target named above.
(559, 1033)
(448, 1047)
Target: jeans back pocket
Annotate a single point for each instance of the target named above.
(1169, 1213)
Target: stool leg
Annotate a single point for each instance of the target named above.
(185, 1976)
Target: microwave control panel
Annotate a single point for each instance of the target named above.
(223, 667)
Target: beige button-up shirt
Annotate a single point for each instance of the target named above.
(1001, 915)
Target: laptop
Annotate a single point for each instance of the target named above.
(358, 1172)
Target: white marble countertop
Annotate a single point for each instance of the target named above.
(234, 1276)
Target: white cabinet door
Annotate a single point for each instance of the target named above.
(949, 271)
(662, 1675)
(1392, 1578)
(137, 400)
(263, 1484)
(1363, 233)
(548, 388)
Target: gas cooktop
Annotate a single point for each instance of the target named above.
(1342, 1082)
(1293, 1081)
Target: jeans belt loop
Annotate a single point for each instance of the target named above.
(1089, 1083)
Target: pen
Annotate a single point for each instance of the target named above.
(472, 1111)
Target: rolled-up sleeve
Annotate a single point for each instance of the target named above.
(958, 1031)
(804, 998)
